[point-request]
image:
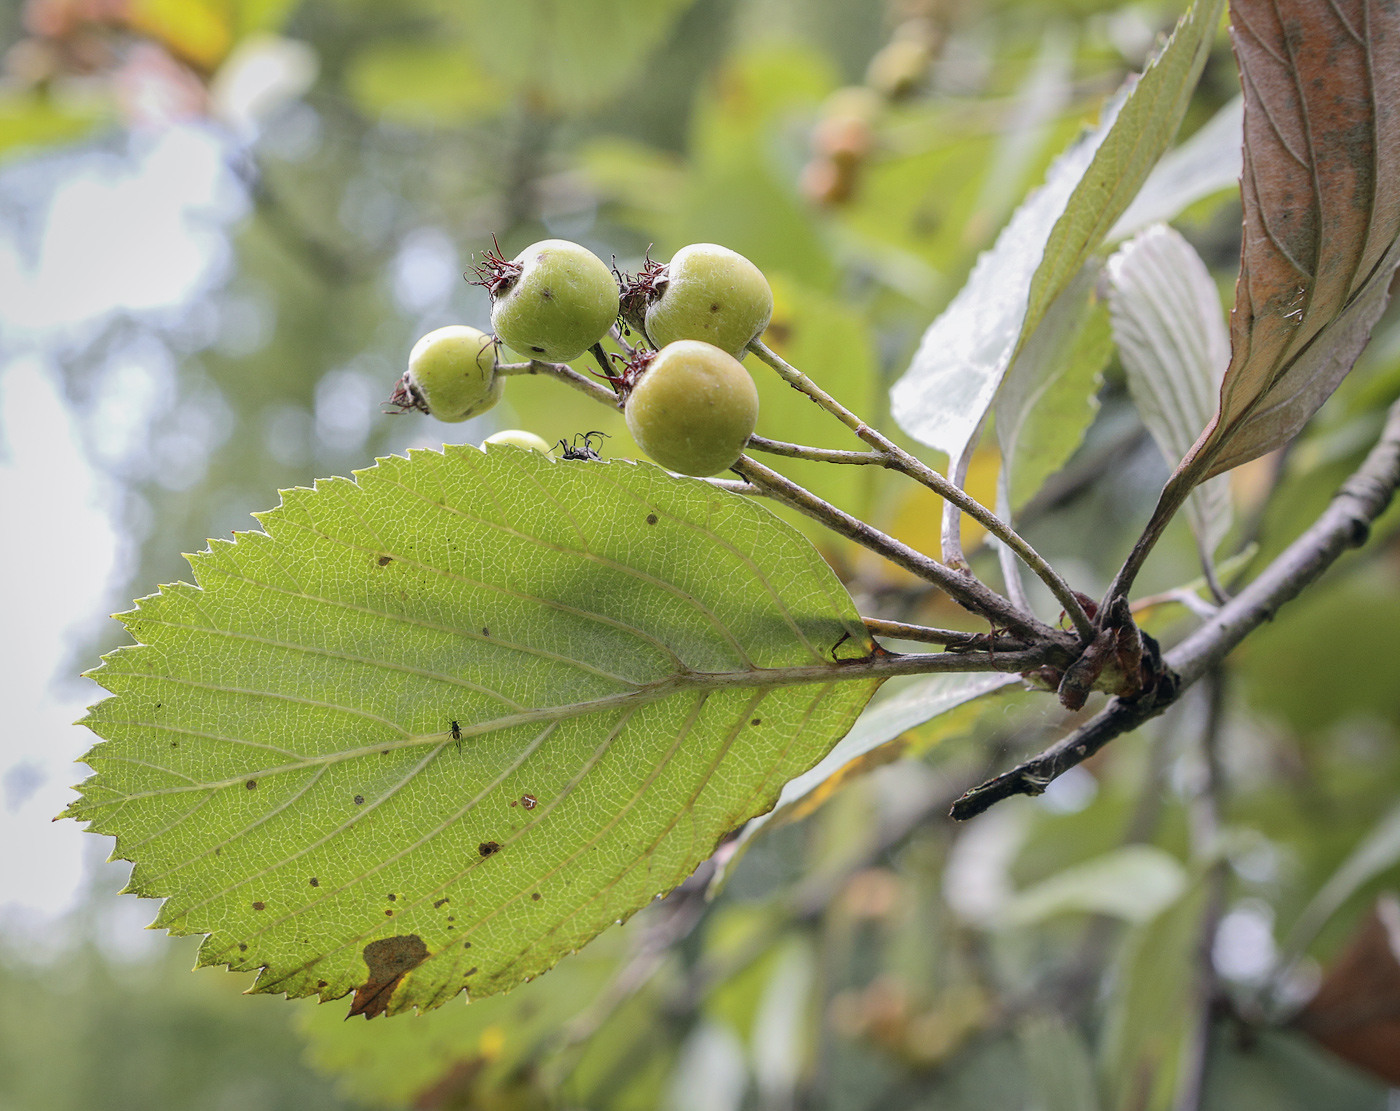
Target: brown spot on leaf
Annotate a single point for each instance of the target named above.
(756, 721)
(714, 306)
(321, 984)
(389, 959)
(388, 914)
(242, 947)
(314, 882)
(529, 802)
(488, 848)
(535, 897)
(470, 972)
(252, 784)
(385, 560)
(391, 897)
(485, 631)
(359, 800)
(439, 902)
(259, 906)
(652, 518)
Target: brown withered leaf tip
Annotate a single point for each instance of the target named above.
(1356, 1011)
(389, 959)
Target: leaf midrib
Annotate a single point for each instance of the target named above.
(643, 694)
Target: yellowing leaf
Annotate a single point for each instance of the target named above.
(196, 30)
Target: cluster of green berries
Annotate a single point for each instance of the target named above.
(689, 402)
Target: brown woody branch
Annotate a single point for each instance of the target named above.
(1344, 524)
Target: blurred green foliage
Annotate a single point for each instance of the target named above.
(854, 958)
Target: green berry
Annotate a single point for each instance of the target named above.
(518, 437)
(553, 301)
(708, 292)
(693, 408)
(451, 375)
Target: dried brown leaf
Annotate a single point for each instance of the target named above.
(1321, 191)
(1356, 1011)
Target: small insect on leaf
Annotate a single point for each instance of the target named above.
(584, 451)
(456, 731)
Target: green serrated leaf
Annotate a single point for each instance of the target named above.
(1204, 165)
(1147, 123)
(1050, 395)
(954, 377)
(615, 647)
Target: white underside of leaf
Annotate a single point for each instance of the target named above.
(1168, 324)
(949, 386)
(919, 702)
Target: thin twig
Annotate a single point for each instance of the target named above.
(734, 486)
(1178, 596)
(922, 634)
(1344, 524)
(950, 535)
(907, 464)
(819, 454)
(566, 374)
(971, 593)
(617, 337)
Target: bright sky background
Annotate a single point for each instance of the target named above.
(100, 234)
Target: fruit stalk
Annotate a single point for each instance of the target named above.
(566, 374)
(907, 464)
(970, 592)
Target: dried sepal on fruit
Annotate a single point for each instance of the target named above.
(451, 375)
(710, 293)
(692, 408)
(552, 302)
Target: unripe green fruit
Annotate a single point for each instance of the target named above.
(693, 409)
(554, 301)
(451, 374)
(519, 438)
(713, 294)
